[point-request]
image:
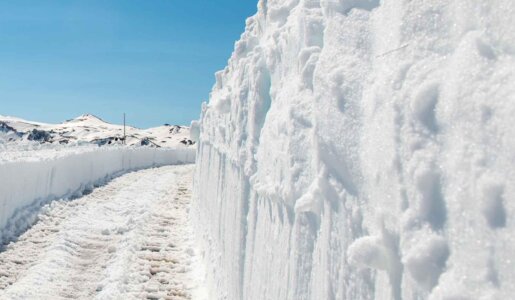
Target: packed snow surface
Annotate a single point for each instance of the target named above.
(362, 150)
(129, 239)
(30, 179)
(91, 129)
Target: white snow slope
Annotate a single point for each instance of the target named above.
(362, 149)
(129, 239)
(31, 180)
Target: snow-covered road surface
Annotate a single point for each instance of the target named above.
(129, 239)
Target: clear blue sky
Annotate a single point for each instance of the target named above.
(153, 59)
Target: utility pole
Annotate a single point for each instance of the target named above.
(124, 136)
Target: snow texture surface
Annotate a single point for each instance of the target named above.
(129, 239)
(362, 150)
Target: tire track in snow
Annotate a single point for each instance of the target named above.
(128, 239)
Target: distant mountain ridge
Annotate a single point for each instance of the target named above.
(89, 128)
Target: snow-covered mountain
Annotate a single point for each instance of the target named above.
(91, 129)
(362, 150)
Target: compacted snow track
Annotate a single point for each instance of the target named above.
(127, 239)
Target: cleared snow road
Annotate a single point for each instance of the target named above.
(126, 240)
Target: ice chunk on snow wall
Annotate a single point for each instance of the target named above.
(361, 150)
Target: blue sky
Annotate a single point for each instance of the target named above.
(153, 59)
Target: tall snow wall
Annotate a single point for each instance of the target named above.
(28, 183)
(362, 149)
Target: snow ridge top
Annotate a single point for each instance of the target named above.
(86, 117)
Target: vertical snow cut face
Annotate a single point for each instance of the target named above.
(361, 150)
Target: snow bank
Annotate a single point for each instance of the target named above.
(362, 149)
(26, 184)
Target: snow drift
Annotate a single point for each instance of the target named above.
(362, 149)
(31, 181)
